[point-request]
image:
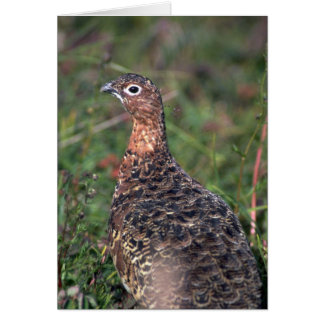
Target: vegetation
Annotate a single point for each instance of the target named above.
(212, 74)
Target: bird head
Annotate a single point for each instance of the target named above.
(138, 94)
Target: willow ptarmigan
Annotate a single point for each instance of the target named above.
(174, 243)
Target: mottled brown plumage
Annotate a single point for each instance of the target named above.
(174, 243)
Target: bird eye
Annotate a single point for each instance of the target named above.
(133, 90)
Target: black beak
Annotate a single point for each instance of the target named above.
(108, 88)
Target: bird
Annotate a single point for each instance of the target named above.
(175, 244)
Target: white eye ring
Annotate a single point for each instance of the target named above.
(135, 86)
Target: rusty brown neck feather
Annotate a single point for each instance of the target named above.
(147, 143)
(148, 136)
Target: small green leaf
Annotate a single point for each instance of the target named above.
(92, 301)
(236, 150)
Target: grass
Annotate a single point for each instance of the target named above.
(212, 74)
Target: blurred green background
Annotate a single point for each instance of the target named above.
(212, 76)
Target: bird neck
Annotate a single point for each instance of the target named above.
(148, 137)
(147, 147)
